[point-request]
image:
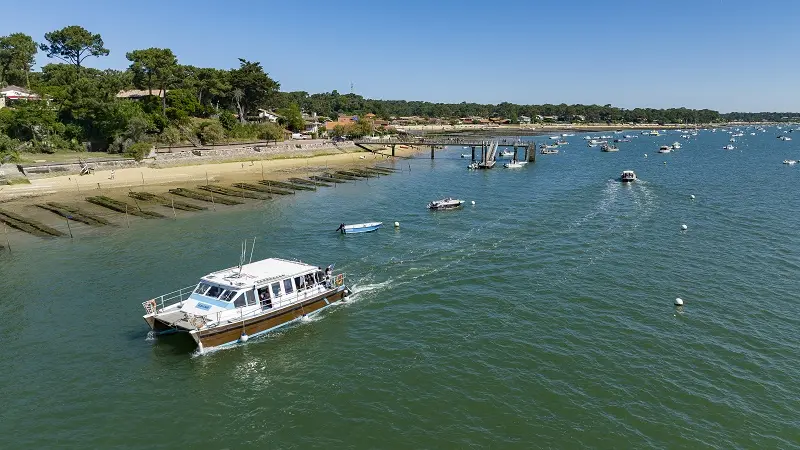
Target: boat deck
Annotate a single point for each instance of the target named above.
(176, 319)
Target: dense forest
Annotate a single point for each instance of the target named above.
(78, 107)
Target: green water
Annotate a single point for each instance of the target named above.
(542, 316)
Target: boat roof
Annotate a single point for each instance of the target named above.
(258, 272)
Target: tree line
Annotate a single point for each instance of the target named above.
(80, 109)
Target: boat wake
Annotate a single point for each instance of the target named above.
(151, 336)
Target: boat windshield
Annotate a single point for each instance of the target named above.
(215, 292)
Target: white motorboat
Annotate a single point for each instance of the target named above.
(785, 138)
(728, 147)
(628, 176)
(548, 151)
(676, 145)
(359, 227)
(790, 162)
(654, 133)
(515, 164)
(444, 204)
(567, 134)
(609, 148)
(466, 155)
(472, 166)
(664, 149)
(555, 138)
(506, 153)
(562, 142)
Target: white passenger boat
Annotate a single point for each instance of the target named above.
(445, 203)
(359, 227)
(515, 164)
(628, 176)
(664, 149)
(235, 304)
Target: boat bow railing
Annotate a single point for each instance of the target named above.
(157, 304)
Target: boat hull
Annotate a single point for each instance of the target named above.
(361, 229)
(231, 333)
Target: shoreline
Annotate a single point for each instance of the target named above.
(72, 190)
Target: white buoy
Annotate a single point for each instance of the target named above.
(645, 155)
(397, 224)
(678, 301)
(684, 227)
(243, 338)
(692, 196)
(473, 202)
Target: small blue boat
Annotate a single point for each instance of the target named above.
(359, 227)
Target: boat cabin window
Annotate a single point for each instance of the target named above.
(240, 301)
(251, 298)
(298, 281)
(202, 288)
(227, 295)
(309, 279)
(287, 286)
(214, 292)
(276, 290)
(263, 297)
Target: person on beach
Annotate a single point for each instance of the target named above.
(113, 172)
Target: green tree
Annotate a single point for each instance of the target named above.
(73, 44)
(17, 55)
(138, 150)
(256, 85)
(154, 65)
(227, 119)
(292, 118)
(210, 132)
(9, 149)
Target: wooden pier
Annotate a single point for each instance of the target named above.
(486, 156)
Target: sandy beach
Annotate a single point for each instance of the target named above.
(162, 179)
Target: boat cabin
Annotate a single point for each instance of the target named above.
(261, 285)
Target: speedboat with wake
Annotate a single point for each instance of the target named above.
(628, 176)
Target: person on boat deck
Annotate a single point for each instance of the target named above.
(328, 272)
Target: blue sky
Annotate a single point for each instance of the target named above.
(729, 55)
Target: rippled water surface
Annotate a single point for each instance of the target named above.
(541, 316)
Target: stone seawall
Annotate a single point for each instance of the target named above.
(184, 156)
(249, 152)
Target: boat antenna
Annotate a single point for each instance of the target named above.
(252, 249)
(242, 254)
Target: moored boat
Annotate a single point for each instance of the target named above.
(664, 149)
(628, 176)
(728, 147)
(676, 145)
(359, 227)
(609, 148)
(515, 164)
(790, 162)
(445, 203)
(235, 304)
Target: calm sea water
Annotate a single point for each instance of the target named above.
(542, 316)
